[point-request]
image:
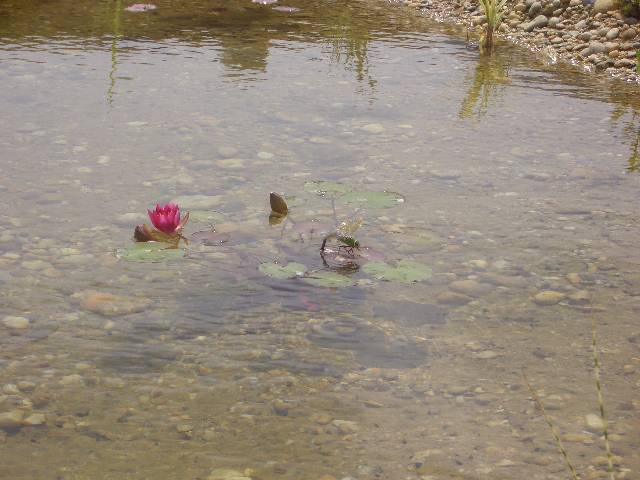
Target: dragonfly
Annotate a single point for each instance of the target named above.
(345, 235)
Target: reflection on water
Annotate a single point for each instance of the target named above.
(117, 14)
(349, 42)
(628, 114)
(204, 367)
(490, 76)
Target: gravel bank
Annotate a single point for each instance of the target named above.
(596, 37)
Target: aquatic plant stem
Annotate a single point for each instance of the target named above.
(605, 428)
(333, 209)
(556, 436)
(114, 51)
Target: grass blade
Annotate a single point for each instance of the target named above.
(556, 436)
(605, 428)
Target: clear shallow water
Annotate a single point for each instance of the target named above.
(514, 176)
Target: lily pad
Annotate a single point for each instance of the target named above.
(326, 188)
(405, 271)
(329, 279)
(374, 199)
(274, 270)
(150, 252)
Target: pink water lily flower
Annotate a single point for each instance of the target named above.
(167, 218)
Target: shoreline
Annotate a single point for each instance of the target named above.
(568, 31)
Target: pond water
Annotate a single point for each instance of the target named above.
(511, 193)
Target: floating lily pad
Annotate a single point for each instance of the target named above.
(326, 188)
(150, 252)
(329, 279)
(374, 199)
(274, 270)
(404, 271)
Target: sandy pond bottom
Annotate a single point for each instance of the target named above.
(519, 198)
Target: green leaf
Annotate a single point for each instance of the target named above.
(329, 279)
(374, 199)
(274, 270)
(150, 252)
(405, 271)
(326, 188)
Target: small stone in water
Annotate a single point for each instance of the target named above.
(10, 389)
(280, 408)
(11, 420)
(26, 386)
(452, 298)
(16, 323)
(35, 419)
(373, 128)
(487, 355)
(111, 305)
(186, 431)
(580, 297)
(345, 427)
(548, 297)
(470, 287)
(286, 9)
(594, 422)
(265, 155)
(227, 474)
(73, 379)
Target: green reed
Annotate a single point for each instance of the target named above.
(493, 11)
(114, 51)
(601, 406)
(605, 428)
(554, 432)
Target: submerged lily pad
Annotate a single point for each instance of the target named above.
(274, 270)
(326, 188)
(374, 199)
(329, 279)
(313, 228)
(211, 238)
(404, 271)
(205, 216)
(150, 252)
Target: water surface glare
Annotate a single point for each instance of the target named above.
(519, 192)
